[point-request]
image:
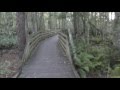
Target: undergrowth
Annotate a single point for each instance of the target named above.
(96, 59)
(7, 41)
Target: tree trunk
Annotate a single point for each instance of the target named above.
(35, 21)
(50, 20)
(75, 22)
(117, 30)
(64, 20)
(20, 27)
(26, 27)
(79, 24)
(42, 22)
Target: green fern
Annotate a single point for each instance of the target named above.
(7, 41)
(84, 58)
(115, 72)
(84, 62)
(92, 58)
(96, 40)
(82, 73)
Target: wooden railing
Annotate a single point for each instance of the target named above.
(33, 42)
(31, 45)
(63, 42)
(66, 41)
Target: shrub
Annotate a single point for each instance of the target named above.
(115, 72)
(7, 41)
(92, 59)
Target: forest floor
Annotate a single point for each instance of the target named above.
(9, 63)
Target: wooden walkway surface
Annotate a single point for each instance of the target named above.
(48, 61)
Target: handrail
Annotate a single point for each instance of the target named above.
(65, 42)
(72, 44)
(33, 42)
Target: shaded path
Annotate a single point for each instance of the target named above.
(48, 61)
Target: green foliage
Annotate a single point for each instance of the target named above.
(7, 22)
(115, 72)
(92, 58)
(7, 41)
(62, 15)
(100, 61)
(85, 59)
(82, 73)
(94, 44)
(96, 40)
(81, 46)
(4, 68)
(7, 29)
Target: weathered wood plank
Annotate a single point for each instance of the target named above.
(39, 35)
(63, 39)
(33, 42)
(65, 36)
(63, 48)
(64, 42)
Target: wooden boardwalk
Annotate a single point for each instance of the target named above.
(48, 61)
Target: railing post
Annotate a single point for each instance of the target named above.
(68, 51)
(26, 51)
(65, 43)
(74, 52)
(72, 44)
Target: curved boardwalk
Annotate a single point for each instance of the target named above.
(48, 61)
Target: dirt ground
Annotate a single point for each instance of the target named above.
(9, 63)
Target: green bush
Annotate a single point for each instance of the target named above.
(92, 58)
(4, 68)
(115, 72)
(84, 63)
(96, 40)
(7, 41)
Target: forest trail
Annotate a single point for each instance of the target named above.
(48, 61)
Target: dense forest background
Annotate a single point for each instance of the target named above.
(95, 34)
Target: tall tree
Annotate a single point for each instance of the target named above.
(75, 22)
(34, 16)
(63, 20)
(20, 27)
(42, 23)
(79, 23)
(116, 29)
(50, 20)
